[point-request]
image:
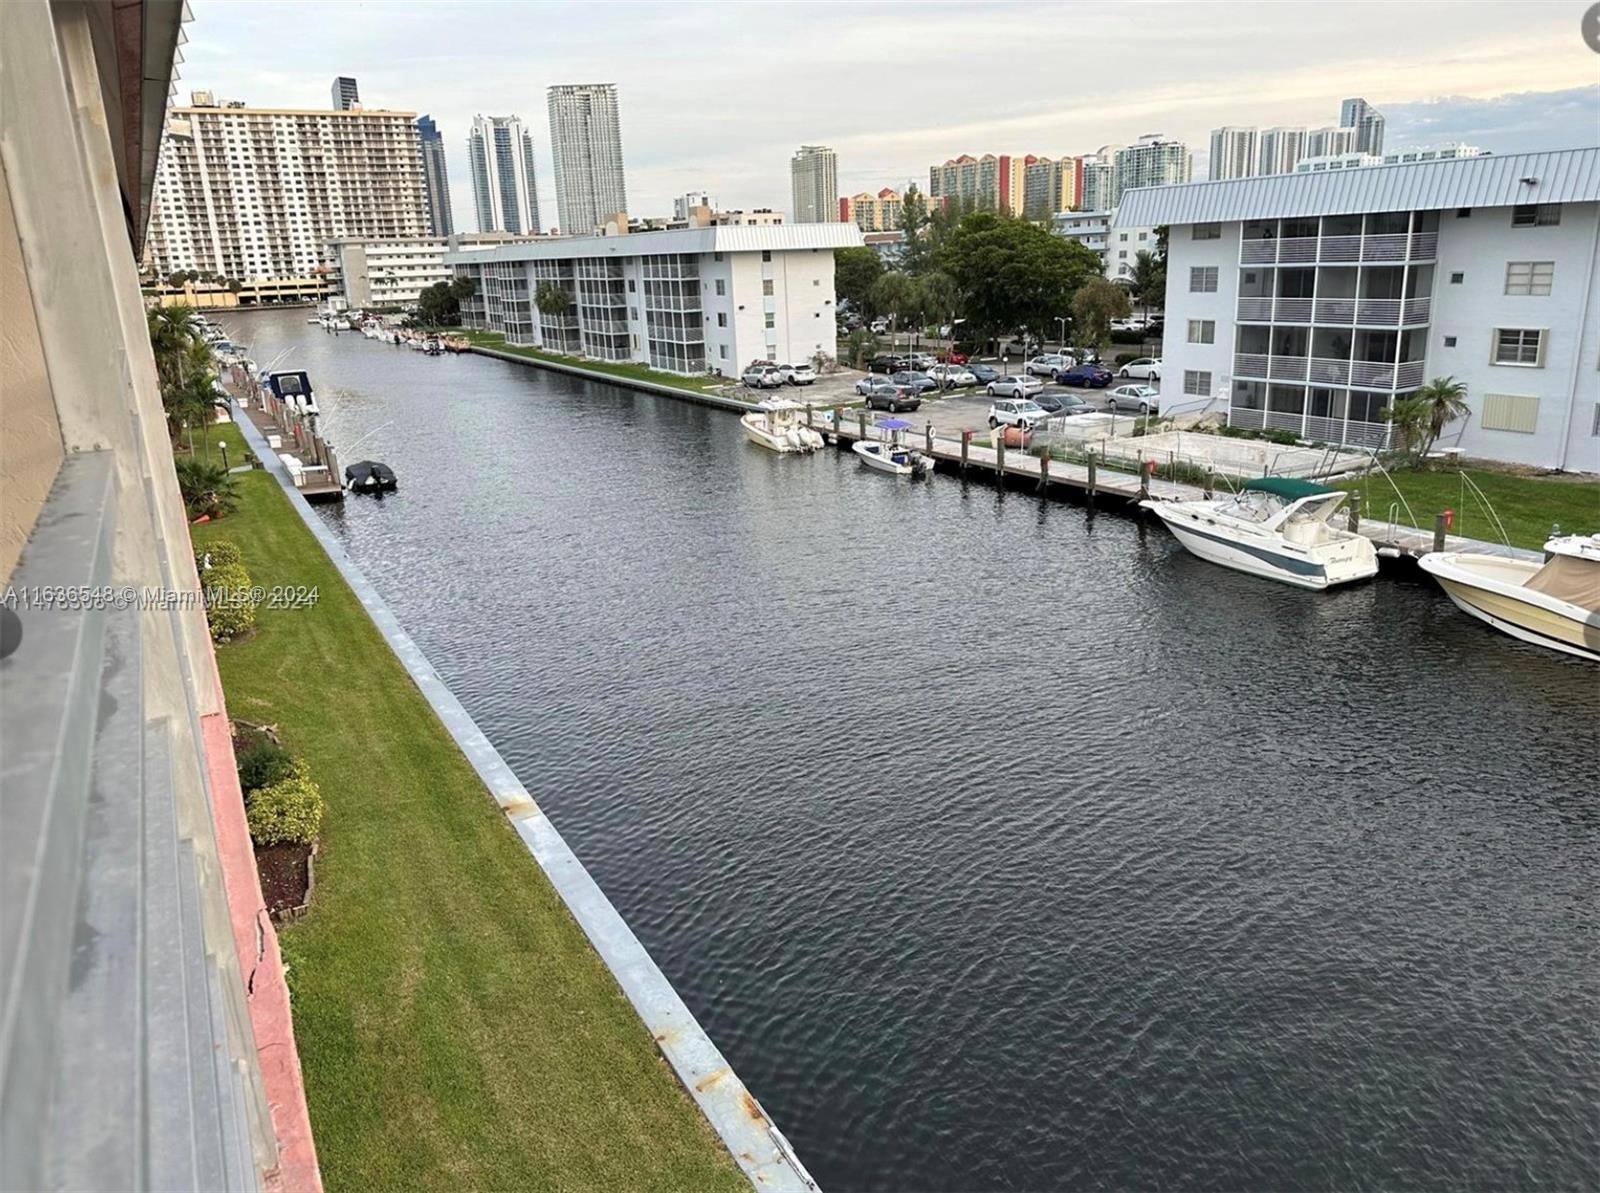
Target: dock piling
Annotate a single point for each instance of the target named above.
(966, 440)
(861, 423)
(928, 431)
(1440, 523)
(1000, 460)
(1089, 458)
(1355, 512)
(1044, 470)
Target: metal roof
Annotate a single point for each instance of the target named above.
(1496, 180)
(722, 238)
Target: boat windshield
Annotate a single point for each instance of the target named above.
(1252, 506)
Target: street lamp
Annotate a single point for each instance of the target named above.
(1061, 340)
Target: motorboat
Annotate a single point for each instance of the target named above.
(292, 387)
(370, 476)
(775, 424)
(890, 453)
(1555, 604)
(1276, 527)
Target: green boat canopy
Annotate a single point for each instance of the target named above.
(1286, 487)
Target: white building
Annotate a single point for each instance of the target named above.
(385, 273)
(814, 183)
(1431, 153)
(1151, 161)
(1097, 182)
(586, 145)
(1233, 152)
(691, 301)
(685, 206)
(1336, 161)
(1367, 122)
(1311, 302)
(1280, 149)
(505, 189)
(1118, 245)
(257, 193)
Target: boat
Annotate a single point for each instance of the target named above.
(292, 387)
(1555, 604)
(892, 454)
(1276, 527)
(370, 476)
(775, 424)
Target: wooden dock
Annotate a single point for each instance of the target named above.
(317, 477)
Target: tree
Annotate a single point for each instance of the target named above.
(1094, 306)
(855, 272)
(1149, 279)
(895, 295)
(1014, 276)
(1410, 418)
(916, 249)
(552, 299)
(858, 346)
(440, 304)
(937, 298)
(1443, 400)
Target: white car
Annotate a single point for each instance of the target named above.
(797, 374)
(1146, 368)
(1128, 325)
(1048, 364)
(762, 377)
(952, 375)
(1015, 386)
(1142, 398)
(1017, 413)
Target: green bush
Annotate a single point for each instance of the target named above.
(1123, 358)
(208, 489)
(230, 608)
(288, 812)
(261, 764)
(221, 553)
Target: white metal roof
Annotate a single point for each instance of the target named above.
(1498, 180)
(723, 238)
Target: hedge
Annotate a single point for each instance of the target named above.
(288, 812)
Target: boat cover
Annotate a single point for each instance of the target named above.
(369, 468)
(895, 424)
(1570, 579)
(1286, 487)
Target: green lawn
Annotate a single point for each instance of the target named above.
(1527, 505)
(456, 1029)
(637, 372)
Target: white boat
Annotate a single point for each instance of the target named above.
(1555, 604)
(1275, 527)
(775, 424)
(891, 453)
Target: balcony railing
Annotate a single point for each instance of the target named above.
(1341, 248)
(1297, 249)
(1382, 311)
(1255, 310)
(1416, 311)
(1249, 364)
(1374, 374)
(1336, 310)
(1287, 368)
(1424, 246)
(1385, 248)
(1292, 310)
(1408, 374)
(1308, 250)
(666, 302)
(1329, 371)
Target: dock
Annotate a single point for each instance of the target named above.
(306, 454)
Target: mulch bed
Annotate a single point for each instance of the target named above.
(285, 879)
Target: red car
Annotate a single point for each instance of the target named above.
(953, 357)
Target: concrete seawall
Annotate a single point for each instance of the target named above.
(651, 387)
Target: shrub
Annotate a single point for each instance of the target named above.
(263, 763)
(1123, 358)
(221, 553)
(288, 812)
(230, 609)
(208, 489)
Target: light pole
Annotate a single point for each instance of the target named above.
(1061, 340)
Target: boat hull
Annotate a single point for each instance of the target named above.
(1269, 559)
(1490, 589)
(786, 442)
(880, 462)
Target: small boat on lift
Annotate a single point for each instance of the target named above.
(892, 453)
(1555, 604)
(370, 476)
(1275, 527)
(775, 424)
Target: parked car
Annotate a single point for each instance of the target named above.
(1018, 412)
(1092, 376)
(948, 375)
(917, 383)
(1146, 368)
(1134, 324)
(894, 399)
(1141, 398)
(879, 326)
(1057, 403)
(921, 361)
(1018, 385)
(888, 364)
(761, 364)
(1046, 365)
(868, 386)
(763, 377)
(955, 357)
(802, 374)
(983, 373)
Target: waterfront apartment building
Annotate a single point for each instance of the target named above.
(814, 184)
(586, 146)
(1050, 185)
(435, 178)
(258, 193)
(1233, 152)
(345, 94)
(1312, 302)
(992, 181)
(873, 213)
(1366, 122)
(690, 301)
(1151, 161)
(504, 186)
(385, 274)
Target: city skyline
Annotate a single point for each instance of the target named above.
(1515, 77)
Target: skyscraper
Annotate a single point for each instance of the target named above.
(992, 182)
(1332, 142)
(586, 143)
(1049, 185)
(1368, 123)
(435, 180)
(504, 187)
(814, 181)
(1097, 180)
(1233, 152)
(1152, 161)
(345, 95)
(1281, 149)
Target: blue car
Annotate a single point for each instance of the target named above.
(1092, 376)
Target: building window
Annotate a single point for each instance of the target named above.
(766, 287)
(633, 313)
(722, 288)
(630, 285)
(1529, 277)
(766, 254)
(1202, 331)
(722, 351)
(1535, 215)
(1457, 278)
(1518, 346)
(722, 319)
(716, 256)
(1122, 254)
(1196, 383)
(1202, 279)
(1510, 412)
(1205, 232)
(1122, 236)
(1449, 341)
(1463, 213)
(771, 321)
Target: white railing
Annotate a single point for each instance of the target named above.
(1424, 245)
(1287, 368)
(1284, 420)
(1341, 248)
(1417, 310)
(1293, 310)
(1385, 248)
(1336, 310)
(1247, 418)
(1256, 310)
(1408, 374)
(1297, 248)
(1258, 252)
(662, 302)
(1379, 374)
(1329, 371)
(1384, 311)
(1249, 364)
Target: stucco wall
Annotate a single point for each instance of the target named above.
(30, 436)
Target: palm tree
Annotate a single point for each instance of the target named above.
(1410, 419)
(1149, 279)
(895, 295)
(1444, 399)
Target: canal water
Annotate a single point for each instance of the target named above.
(999, 846)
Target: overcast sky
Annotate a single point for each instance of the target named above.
(717, 96)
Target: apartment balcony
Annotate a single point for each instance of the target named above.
(1292, 310)
(1250, 364)
(1329, 371)
(1311, 250)
(1287, 368)
(659, 302)
(1336, 310)
(1255, 310)
(1341, 312)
